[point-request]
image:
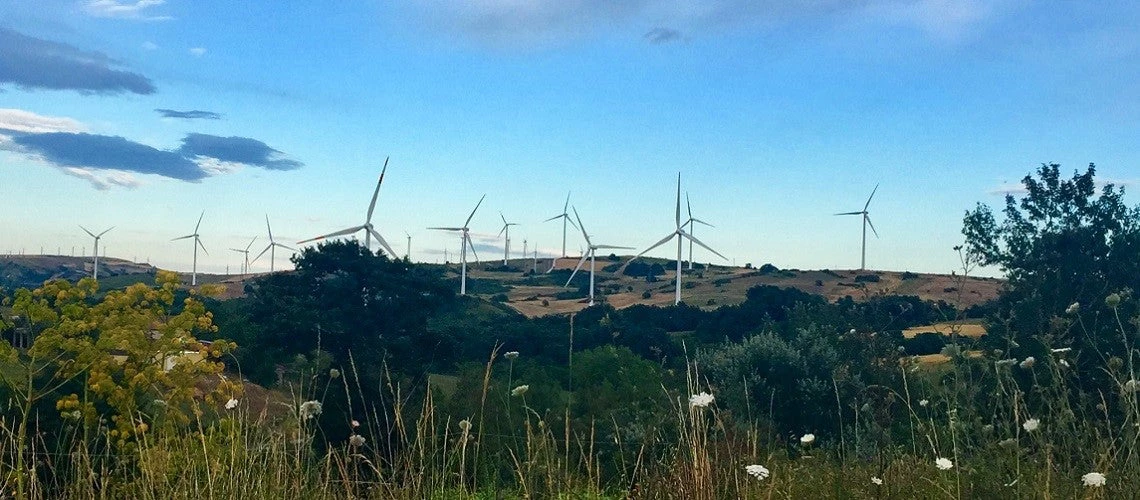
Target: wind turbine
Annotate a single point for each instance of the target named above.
(245, 263)
(466, 242)
(591, 252)
(565, 216)
(369, 230)
(692, 220)
(271, 247)
(197, 243)
(681, 235)
(866, 222)
(507, 241)
(408, 255)
(95, 272)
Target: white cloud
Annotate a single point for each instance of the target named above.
(103, 180)
(19, 120)
(197, 51)
(124, 10)
(148, 45)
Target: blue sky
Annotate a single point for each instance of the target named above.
(142, 114)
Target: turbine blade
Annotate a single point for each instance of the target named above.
(287, 247)
(88, 232)
(502, 217)
(250, 243)
(576, 268)
(851, 213)
(473, 211)
(571, 221)
(342, 232)
(706, 247)
(446, 228)
(262, 253)
(688, 205)
(567, 204)
(238, 250)
(199, 242)
(555, 217)
(267, 228)
(869, 223)
(383, 243)
(678, 217)
(105, 232)
(376, 193)
(655, 245)
(581, 227)
(501, 230)
(702, 222)
(869, 197)
(614, 247)
(199, 222)
(183, 237)
(472, 245)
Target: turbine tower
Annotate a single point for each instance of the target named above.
(690, 223)
(866, 222)
(369, 230)
(565, 216)
(271, 247)
(95, 269)
(591, 252)
(197, 243)
(245, 253)
(466, 242)
(506, 241)
(681, 235)
(408, 256)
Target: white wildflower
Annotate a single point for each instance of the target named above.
(1006, 362)
(852, 332)
(1093, 479)
(701, 400)
(1064, 363)
(1132, 385)
(1073, 308)
(1112, 300)
(231, 404)
(923, 403)
(356, 440)
(877, 481)
(757, 471)
(807, 438)
(465, 425)
(520, 390)
(1031, 425)
(1061, 350)
(310, 409)
(513, 355)
(943, 463)
(1027, 363)
(355, 424)
(334, 373)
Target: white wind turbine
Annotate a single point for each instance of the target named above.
(692, 220)
(466, 242)
(95, 272)
(197, 243)
(866, 222)
(565, 216)
(506, 241)
(245, 253)
(271, 247)
(408, 256)
(369, 230)
(681, 235)
(591, 252)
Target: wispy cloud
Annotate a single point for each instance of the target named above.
(25, 121)
(148, 45)
(663, 35)
(188, 115)
(138, 10)
(111, 160)
(31, 63)
(197, 51)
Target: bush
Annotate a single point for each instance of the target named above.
(867, 278)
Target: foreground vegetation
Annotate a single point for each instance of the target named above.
(387, 385)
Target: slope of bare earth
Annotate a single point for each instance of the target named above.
(715, 286)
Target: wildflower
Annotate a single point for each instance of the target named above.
(1031, 425)
(1073, 308)
(943, 463)
(1005, 362)
(1112, 300)
(465, 425)
(757, 471)
(1027, 363)
(852, 332)
(1093, 479)
(334, 373)
(231, 404)
(513, 355)
(1064, 363)
(355, 424)
(310, 409)
(701, 400)
(520, 390)
(1131, 385)
(356, 440)
(1006, 443)
(807, 439)
(923, 403)
(877, 481)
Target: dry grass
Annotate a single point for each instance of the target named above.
(972, 329)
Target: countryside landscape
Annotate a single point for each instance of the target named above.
(643, 250)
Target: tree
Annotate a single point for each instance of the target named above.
(1059, 244)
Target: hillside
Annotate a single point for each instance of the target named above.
(30, 271)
